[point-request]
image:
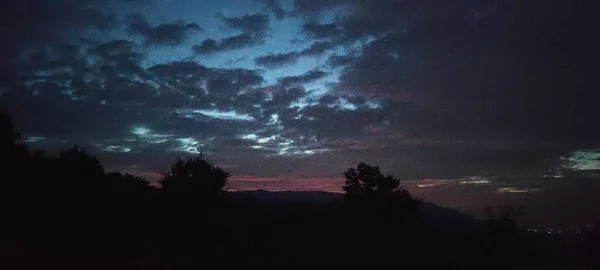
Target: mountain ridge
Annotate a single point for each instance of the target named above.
(446, 217)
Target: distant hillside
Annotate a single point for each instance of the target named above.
(448, 218)
(284, 198)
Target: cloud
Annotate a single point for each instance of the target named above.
(308, 7)
(315, 30)
(308, 77)
(168, 34)
(72, 97)
(254, 29)
(210, 46)
(318, 48)
(340, 60)
(282, 59)
(107, 94)
(252, 23)
(275, 8)
(118, 56)
(583, 160)
(472, 70)
(277, 60)
(33, 24)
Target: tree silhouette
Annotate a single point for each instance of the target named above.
(373, 197)
(78, 163)
(8, 136)
(12, 150)
(366, 180)
(126, 183)
(195, 175)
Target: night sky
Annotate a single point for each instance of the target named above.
(474, 98)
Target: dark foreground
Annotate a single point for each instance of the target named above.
(151, 230)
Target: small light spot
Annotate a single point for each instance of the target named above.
(117, 149)
(250, 137)
(518, 190)
(34, 139)
(267, 139)
(188, 145)
(274, 119)
(373, 105)
(141, 131)
(225, 115)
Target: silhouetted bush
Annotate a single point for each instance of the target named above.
(366, 180)
(194, 176)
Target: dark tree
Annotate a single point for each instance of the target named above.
(77, 163)
(196, 176)
(126, 183)
(8, 136)
(12, 150)
(367, 179)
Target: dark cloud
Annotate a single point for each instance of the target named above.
(174, 71)
(308, 7)
(101, 92)
(71, 97)
(118, 56)
(254, 27)
(199, 87)
(331, 123)
(308, 77)
(231, 81)
(32, 24)
(184, 78)
(274, 6)
(169, 34)
(282, 59)
(282, 99)
(252, 23)
(277, 60)
(209, 46)
(318, 48)
(379, 17)
(315, 30)
(458, 72)
(479, 69)
(340, 60)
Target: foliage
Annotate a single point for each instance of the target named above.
(8, 136)
(78, 163)
(367, 180)
(11, 148)
(195, 175)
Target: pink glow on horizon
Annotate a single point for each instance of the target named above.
(250, 178)
(445, 192)
(242, 183)
(152, 177)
